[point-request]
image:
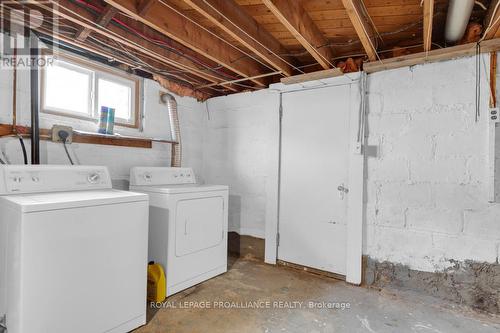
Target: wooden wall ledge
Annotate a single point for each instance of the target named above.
(87, 137)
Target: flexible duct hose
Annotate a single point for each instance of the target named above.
(176, 156)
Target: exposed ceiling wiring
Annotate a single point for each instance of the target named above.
(214, 34)
(90, 22)
(162, 43)
(366, 32)
(133, 61)
(254, 39)
(491, 23)
(365, 12)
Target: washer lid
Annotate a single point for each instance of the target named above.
(175, 189)
(64, 200)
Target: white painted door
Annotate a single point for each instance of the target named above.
(314, 163)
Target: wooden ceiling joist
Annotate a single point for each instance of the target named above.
(492, 20)
(293, 16)
(66, 9)
(103, 20)
(446, 53)
(362, 25)
(232, 19)
(169, 21)
(199, 93)
(428, 21)
(144, 6)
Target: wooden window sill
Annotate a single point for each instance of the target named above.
(89, 137)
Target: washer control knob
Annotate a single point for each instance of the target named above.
(17, 179)
(148, 177)
(93, 178)
(35, 179)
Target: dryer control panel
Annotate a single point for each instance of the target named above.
(52, 178)
(161, 176)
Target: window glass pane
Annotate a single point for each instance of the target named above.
(67, 90)
(117, 96)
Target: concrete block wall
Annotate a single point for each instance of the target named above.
(427, 188)
(118, 159)
(241, 150)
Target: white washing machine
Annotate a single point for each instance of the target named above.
(187, 224)
(73, 251)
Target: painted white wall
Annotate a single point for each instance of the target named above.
(118, 159)
(241, 150)
(426, 199)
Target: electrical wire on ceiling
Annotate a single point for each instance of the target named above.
(155, 41)
(491, 23)
(192, 84)
(165, 44)
(374, 27)
(107, 46)
(251, 37)
(90, 22)
(366, 32)
(357, 41)
(215, 35)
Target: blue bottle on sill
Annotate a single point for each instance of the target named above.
(103, 120)
(111, 121)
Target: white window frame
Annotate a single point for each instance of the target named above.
(90, 108)
(121, 81)
(96, 72)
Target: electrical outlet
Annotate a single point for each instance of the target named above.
(55, 133)
(494, 115)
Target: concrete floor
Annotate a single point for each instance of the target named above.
(250, 281)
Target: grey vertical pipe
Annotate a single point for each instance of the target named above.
(176, 155)
(34, 88)
(459, 12)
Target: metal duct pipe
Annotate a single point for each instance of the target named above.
(459, 12)
(176, 155)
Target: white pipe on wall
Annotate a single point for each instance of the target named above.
(459, 12)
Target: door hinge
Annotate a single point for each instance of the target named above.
(278, 239)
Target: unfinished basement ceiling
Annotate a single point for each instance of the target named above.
(207, 48)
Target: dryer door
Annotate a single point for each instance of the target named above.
(199, 224)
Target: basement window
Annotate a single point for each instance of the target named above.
(76, 88)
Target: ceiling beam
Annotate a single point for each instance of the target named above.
(232, 19)
(428, 21)
(492, 20)
(68, 10)
(104, 18)
(362, 25)
(446, 53)
(293, 16)
(173, 23)
(144, 6)
(112, 57)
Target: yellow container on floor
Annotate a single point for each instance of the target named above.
(156, 283)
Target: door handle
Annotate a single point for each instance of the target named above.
(342, 191)
(342, 188)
